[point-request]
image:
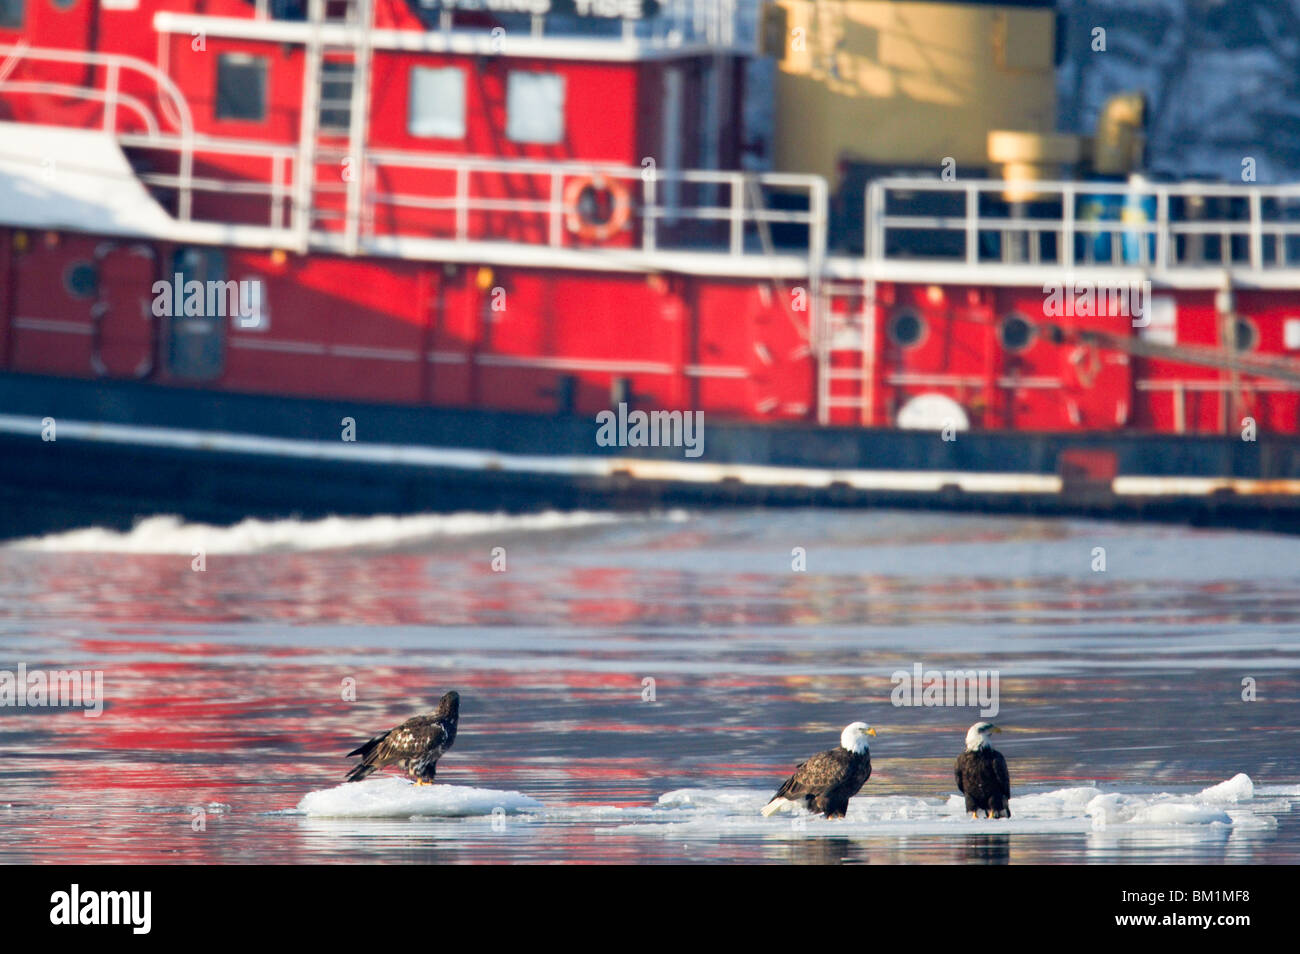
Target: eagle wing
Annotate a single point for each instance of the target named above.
(1001, 774)
(411, 738)
(816, 775)
(406, 741)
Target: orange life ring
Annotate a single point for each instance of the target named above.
(582, 207)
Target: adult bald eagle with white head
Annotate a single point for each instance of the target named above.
(826, 782)
(982, 774)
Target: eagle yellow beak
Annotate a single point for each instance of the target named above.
(997, 728)
(871, 732)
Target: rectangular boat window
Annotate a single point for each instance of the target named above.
(437, 103)
(1291, 334)
(196, 344)
(535, 107)
(241, 86)
(288, 9)
(11, 13)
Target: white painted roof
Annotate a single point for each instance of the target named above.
(55, 177)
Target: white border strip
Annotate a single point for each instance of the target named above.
(638, 469)
(220, 442)
(1204, 486)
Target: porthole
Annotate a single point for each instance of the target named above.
(1016, 333)
(81, 279)
(906, 329)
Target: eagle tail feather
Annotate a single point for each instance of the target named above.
(365, 748)
(360, 771)
(367, 751)
(773, 806)
(790, 788)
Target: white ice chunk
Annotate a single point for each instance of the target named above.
(1275, 790)
(1059, 803)
(1179, 813)
(698, 812)
(1235, 789)
(1249, 821)
(392, 797)
(725, 799)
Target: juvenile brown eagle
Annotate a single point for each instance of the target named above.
(982, 774)
(827, 781)
(416, 744)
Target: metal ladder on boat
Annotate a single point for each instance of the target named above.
(845, 349)
(332, 135)
(829, 331)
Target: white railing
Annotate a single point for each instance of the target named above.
(724, 23)
(531, 193)
(174, 110)
(704, 211)
(471, 200)
(1154, 226)
(278, 189)
(727, 24)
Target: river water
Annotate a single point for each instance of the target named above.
(633, 687)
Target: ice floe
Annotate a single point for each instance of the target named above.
(392, 797)
(1233, 805)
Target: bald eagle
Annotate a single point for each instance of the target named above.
(416, 744)
(982, 774)
(827, 781)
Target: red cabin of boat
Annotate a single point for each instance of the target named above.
(542, 206)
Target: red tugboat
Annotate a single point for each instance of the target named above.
(354, 256)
